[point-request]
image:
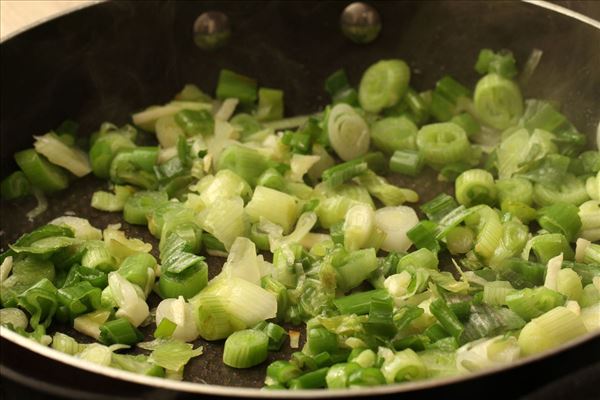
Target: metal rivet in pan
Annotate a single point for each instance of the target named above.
(211, 30)
(360, 22)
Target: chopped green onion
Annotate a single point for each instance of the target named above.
(282, 371)
(310, 380)
(348, 132)
(357, 303)
(138, 206)
(135, 167)
(442, 143)
(15, 185)
(119, 331)
(550, 330)
(233, 85)
(245, 349)
(246, 162)
(147, 119)
(356, 268)
(423, 235)
(475, 186)
(502, 63)
(164, 329)
(561, 218)
(270, 104)
(195, 122)
(446, 317)
(407, 162)
(343, 172)
(40, 172)
(106, 201)
(277, 207)
(498, 101)
(389, 195)
(460, 240)
(394, 133)
(569, 284)
(439, 207)
(383, 84)
(104, 150)
(70, 158)
(531, 303)
(468, 123)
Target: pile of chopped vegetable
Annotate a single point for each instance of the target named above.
(314, 233)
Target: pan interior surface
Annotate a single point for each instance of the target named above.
(132, 54)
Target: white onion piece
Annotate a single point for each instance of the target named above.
(395, 222)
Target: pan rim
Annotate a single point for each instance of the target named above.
(539, 3)
(211, 389)
(205, 388)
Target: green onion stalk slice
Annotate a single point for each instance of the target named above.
(348, 132)
(383, 84)
(443, 143)
(498, 101)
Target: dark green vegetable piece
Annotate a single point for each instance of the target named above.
(502, 63)
(119, 331)
(487, 321)
(78, 273)
(41, 302)
(439, 207)
(236, 86)
(366, 377)
(321, 340)
(446, 317)
(561, 218)
(522, 273)
(141, 204)
(357, 303)
(339, 88)
(531, 303)
(195, 122)
(79, 298)
(310, 380)
(43, 232)
(246, 124)
(15, 185)
(104, 150)
(135, 167)
(381, 313)
(275, 333)
(40, 172)
(423, 236)
(186, 283)
(246, 162)
(343, 172)
(407, 162)
(135, 268)
(283, 371)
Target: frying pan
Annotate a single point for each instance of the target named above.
(103, 62)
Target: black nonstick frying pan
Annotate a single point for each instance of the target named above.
(103, 62)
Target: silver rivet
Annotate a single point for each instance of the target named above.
(360, 22)
(211, 30)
